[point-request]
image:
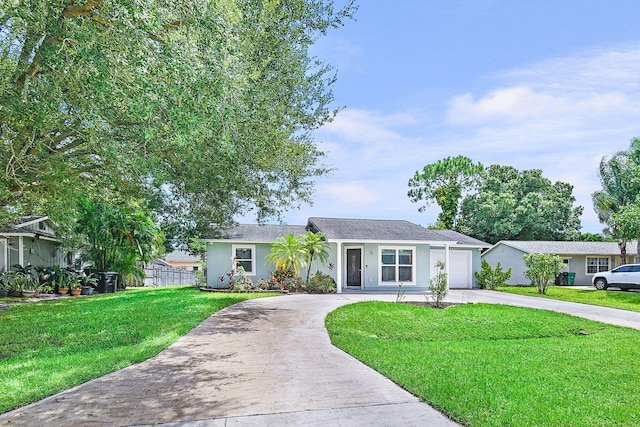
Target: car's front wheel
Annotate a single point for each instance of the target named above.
(600, 284)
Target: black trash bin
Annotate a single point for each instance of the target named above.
(564, 280)
(107, 282)
(558, 280)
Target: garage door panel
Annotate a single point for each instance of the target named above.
(459, 267)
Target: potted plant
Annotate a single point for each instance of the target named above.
(29, 286)
(63, 284)
(89, 283)
(73, 281)
(17, 282)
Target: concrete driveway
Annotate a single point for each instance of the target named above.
(263, 362)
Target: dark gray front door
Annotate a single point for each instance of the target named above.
(354, 267)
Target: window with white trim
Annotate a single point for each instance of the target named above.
(597, 264)
(245, 257)
(397, 265)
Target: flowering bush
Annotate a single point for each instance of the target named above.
(321, 284)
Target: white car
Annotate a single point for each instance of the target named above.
(624, 277)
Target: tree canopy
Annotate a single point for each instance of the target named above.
(519, 205)
(202, 108)
(617, 203)
(444, 182)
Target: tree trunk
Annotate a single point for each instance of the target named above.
(622, 244)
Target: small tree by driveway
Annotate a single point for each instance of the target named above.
(542, 269)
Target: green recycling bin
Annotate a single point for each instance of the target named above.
(571, 279)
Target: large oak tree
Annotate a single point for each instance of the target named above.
(204, 107)
(519, 205)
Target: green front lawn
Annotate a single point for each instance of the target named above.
(50, 346)
(613, 299)
(493, 365)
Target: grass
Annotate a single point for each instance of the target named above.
(613, 299)
(494, 365)
(50, 346)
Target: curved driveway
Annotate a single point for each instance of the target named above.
(263, 362)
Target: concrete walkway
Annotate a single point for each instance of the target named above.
(264, 362)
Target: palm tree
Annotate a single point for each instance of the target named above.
(316, 247)
(288, 253)
(619, 189)
(119, 236)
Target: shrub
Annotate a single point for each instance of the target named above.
(490, 278)
(321, 284)
(240, 281)
(542, 269)
(438, 285)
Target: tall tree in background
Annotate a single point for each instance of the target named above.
(620, 179)
(444, 182)
(204, 108)
(519, 205)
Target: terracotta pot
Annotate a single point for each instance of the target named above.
(76, 292)
(63, 291)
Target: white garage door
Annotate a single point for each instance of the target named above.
(459, 267)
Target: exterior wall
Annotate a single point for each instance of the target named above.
(371, 266)
(219, 262)
(43, 252)
(476, 265)
(37, 252)
(508, 257)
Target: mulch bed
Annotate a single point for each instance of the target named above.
(431, 304)
(248, 291)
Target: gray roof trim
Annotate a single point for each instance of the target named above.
(567, 247)
(30, 220)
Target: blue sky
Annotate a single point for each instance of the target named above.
(551, 85)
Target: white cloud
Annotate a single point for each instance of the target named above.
(560, 115)
(354, 194)
(521, 102)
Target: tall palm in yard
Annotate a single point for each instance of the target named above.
(315, 247)
(288, 253)
(620, 188)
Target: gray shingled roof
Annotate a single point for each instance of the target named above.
(569, 248)
(356, 230)
(254, 233)
(384, 230)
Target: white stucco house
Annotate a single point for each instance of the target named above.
(365, 254)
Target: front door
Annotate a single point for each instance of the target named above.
(354, 267)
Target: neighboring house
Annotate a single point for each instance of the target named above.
(368, 255)
(30, 240)
(583, 258)
(184, 260)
